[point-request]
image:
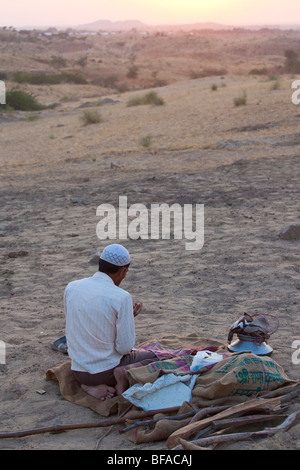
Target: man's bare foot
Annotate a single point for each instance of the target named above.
(122, 381)
(101, 392)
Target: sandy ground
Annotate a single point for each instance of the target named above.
(242, 163)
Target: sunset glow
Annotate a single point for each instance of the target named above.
(180, 11)
(74, 12)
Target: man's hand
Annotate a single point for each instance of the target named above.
(137, 307)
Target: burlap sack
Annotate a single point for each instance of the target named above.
(238, 377)
(161, 430)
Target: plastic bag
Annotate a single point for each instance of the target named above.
(204, 359)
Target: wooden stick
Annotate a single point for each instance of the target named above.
(200, 414)
(246, 436)
(112, 427)
(210, 410)
(236, 410)
(223, 424)
(148, 422)
(186, 445)
(99, 424)
(244, 420)
(265, 404)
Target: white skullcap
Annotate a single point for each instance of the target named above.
(116, 254)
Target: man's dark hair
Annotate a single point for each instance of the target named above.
(108, 268)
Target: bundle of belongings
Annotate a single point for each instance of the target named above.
(248, 325)
(253, 333)
(192, 373)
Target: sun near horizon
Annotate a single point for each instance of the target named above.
(152, 12)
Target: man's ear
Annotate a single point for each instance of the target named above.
(125, 270)
(122, 271)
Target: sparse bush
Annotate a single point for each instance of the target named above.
(159, 83)
(146, 141)
(209, 72)
(256, 71)
(214, 87)
(132, 71)
(272, 77)
(91, 117)
(135, 101)
(82, 61)
(240, 100)
(22, 101)
(32, 117)
(107, 82)
(39, 78)
(122, 87)
(58, 62)
(292, 62)
(275, 85)
(153, 98)
(150, 98)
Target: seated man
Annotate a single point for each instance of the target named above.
(100, 328)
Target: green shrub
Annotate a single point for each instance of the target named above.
(146, 141)
(209, 72)
(91, 117)
(240, 100)
(39, 78)
(135, 101)
(256, 71)
(32, 117)
(22, 101)
(58, 61)
(149, 98)
(153, 98)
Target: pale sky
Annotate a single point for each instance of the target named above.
(18, 13)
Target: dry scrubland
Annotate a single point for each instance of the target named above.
(242, 162)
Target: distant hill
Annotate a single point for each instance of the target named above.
(193, 26)
(128, 25)
(107, 25)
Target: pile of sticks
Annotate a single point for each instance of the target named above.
(207, 428)
(214, 425)
(207, 432)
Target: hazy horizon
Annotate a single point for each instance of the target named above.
(71, 13)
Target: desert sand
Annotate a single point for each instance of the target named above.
(241, 162)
